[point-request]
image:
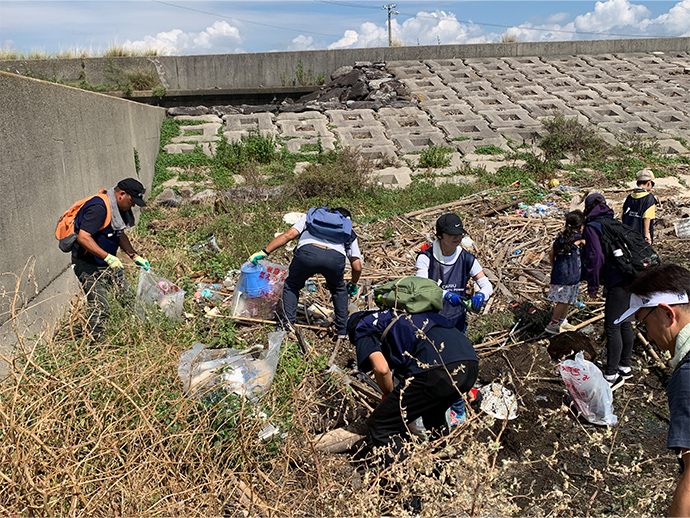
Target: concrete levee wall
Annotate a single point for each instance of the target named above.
(274, 69)
(57, 145)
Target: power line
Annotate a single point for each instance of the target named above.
(299, 31)
(470, 22)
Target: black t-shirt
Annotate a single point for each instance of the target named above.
(90, 219)
(93, 218)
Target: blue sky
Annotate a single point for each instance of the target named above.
(201, 27)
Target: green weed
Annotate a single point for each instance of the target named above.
(344, 174)
(567, 135)
(489, 150)
(435, 156)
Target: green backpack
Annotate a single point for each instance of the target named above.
(411, 294)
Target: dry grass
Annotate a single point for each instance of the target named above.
(76, 52)
(105, 430)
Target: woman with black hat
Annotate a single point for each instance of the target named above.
(448, 263)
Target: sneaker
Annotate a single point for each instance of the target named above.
(567, 327)
(625, 374)
(553, 329)
(456, 419)
(615, 383)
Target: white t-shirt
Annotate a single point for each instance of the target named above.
(423, 262)
(306, 238)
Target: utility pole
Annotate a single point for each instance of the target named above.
(390, 8)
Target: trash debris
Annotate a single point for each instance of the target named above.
(339, 374)
(589, 390)
(155, 290)
(231, 277)
(538, 210)
(233, 370)
(293, 217)
(682, 228)
(259, 289)
(498, 401)
(336, 441)
(209, 292)
(268, 431)
(210, 243)
(320, 313)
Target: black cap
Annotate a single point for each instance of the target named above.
(449, 224)
(135, 189)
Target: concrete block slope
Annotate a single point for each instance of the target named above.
(474, 100)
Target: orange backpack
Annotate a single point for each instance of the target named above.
(65, 233)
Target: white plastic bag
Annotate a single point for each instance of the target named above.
(153, 289)
(234, 370)
(498, 401)
(589, 390)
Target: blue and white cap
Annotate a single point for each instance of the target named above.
(638, 302)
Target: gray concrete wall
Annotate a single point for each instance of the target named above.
(57, 145)
(272, 69)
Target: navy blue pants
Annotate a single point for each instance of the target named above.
(309, 260)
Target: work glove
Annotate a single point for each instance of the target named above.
(453, 298)
(477, 302)
(141, 261)
(255, 258)
(351, 288)
(113, 262)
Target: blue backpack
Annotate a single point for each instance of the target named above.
(328, 225)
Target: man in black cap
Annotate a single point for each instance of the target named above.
(100, 227)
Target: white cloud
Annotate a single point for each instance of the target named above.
(610, 15)
(426, 28)
(674, 23)
(369, 35)
(557, 18)
(610, 18)
(301, 42)
(221, 37)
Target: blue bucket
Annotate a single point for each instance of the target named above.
(252, 283)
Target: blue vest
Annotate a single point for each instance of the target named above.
(634, 208)
(455, 281)
(107, 239)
